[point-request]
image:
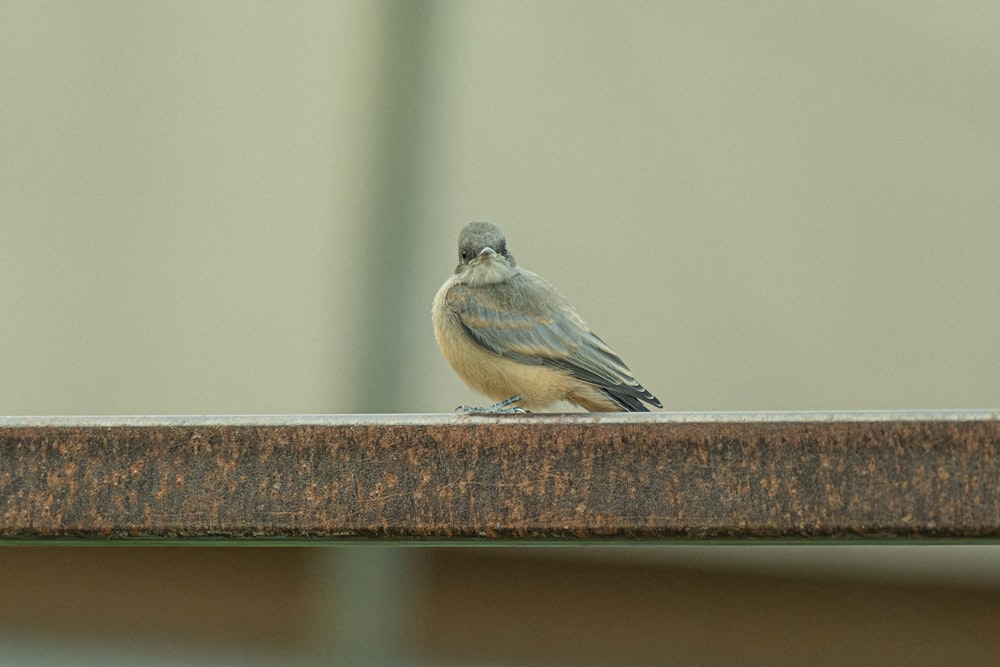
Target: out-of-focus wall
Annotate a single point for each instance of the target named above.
(777, 206)
(183, 189)
(763, 206)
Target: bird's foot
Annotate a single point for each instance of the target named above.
(501, 408)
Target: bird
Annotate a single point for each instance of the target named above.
(512, 336)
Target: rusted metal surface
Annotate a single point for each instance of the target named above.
(658, 476)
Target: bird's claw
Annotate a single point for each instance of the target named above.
(500, 408)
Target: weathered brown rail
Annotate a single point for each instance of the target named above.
(456, 477)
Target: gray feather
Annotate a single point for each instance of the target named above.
(527, 320)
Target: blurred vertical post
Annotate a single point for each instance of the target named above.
(370, 587)
(393, 224)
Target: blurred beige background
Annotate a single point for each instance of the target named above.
(247, 207)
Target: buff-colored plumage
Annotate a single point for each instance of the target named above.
(508, 332)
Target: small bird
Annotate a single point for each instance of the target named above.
(511, 336)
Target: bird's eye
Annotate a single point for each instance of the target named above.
(465, 255)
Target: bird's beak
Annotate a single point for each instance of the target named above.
(488, 251)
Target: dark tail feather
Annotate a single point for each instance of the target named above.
(630, 401)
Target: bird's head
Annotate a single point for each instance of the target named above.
(483, 257)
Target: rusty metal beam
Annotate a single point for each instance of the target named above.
(658, 476)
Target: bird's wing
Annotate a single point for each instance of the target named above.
(531, 323)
